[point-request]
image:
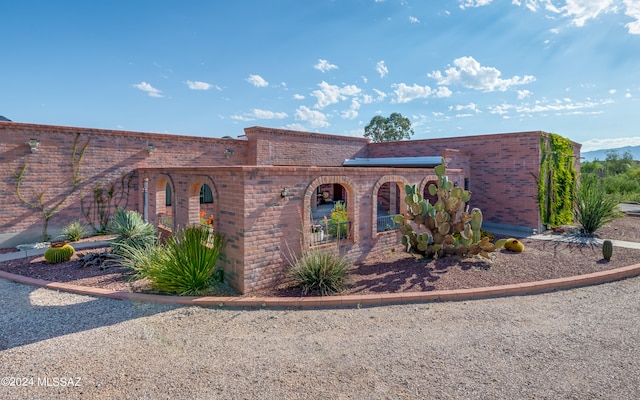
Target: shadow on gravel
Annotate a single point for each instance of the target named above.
(30, 314)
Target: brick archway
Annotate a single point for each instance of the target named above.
(400, 182)
(353, 208)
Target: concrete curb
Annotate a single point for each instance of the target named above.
(518, 289)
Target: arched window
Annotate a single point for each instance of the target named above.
(167, 201)
(206, 195)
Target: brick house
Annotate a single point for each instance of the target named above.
(267, 189)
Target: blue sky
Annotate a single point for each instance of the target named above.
(212, 68)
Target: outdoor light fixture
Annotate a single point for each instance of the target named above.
(150, 148)
(228, 152)
(284, 193)
(33, 143)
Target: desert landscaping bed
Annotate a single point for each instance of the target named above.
(397, 271)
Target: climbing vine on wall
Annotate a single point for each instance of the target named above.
(38, 202)
(557, 180)
(105, 199)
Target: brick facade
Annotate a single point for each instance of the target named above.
(247, 177)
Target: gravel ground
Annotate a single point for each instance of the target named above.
(578, 344)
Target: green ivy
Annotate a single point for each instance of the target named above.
(557, 181)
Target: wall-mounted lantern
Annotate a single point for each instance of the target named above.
(33, 144)
(150, 148)
(284, 193)
(228, 153)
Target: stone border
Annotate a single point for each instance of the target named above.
(518, 289)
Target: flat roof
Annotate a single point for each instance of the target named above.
(409, 162)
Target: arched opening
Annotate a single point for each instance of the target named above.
(426, 195)
(164, 204)
(206, 204)
(389, 194)
(388, 206)
(330, 210)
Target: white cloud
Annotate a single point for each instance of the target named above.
(197, 85)
(523, 94)
(627, 95)
(257, 113)
(581, 11)
(468, 73)
(381, 95)
(264, 114)
(331, 94)
(633, 11)
(469, 107)
(243, 118)
(352, 112)
(474, 3)
(612, 91)
(414, 20)
(298, 96)
(257, 81)
(558, 107)
(530, 4)
(613, 143)
(382, 69)
(145, 87)
(405, 93)
(315, 118)
(324, 66)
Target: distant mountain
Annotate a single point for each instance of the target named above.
(602, 154)
(4, 119)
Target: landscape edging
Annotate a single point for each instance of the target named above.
(516, 289)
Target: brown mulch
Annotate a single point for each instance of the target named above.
(399, 271)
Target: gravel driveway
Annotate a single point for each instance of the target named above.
(580, 344)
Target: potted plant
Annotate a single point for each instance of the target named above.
(317, 234)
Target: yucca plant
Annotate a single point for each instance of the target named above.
(131, 230)
(184, 265)
(73, 232)
(594, 207)
(317, 271)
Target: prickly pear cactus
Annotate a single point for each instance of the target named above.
(58, 252)
(445, 228)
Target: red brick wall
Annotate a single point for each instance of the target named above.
(283, 147)
(109, 156)
(502, 168)
(263, 229)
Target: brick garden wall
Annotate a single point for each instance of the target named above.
(109, 156)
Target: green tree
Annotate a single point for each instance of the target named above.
(382, 129)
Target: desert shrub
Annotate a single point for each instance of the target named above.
(131, 231)
(73, 232)
(594, 207)
(337, 225)
(621, 184)
(320, 272)
(184, 265)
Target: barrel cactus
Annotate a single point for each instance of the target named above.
(514, 245)
(58, 252)
(607, 249)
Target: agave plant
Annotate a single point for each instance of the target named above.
(131, 231)
(184, 265)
